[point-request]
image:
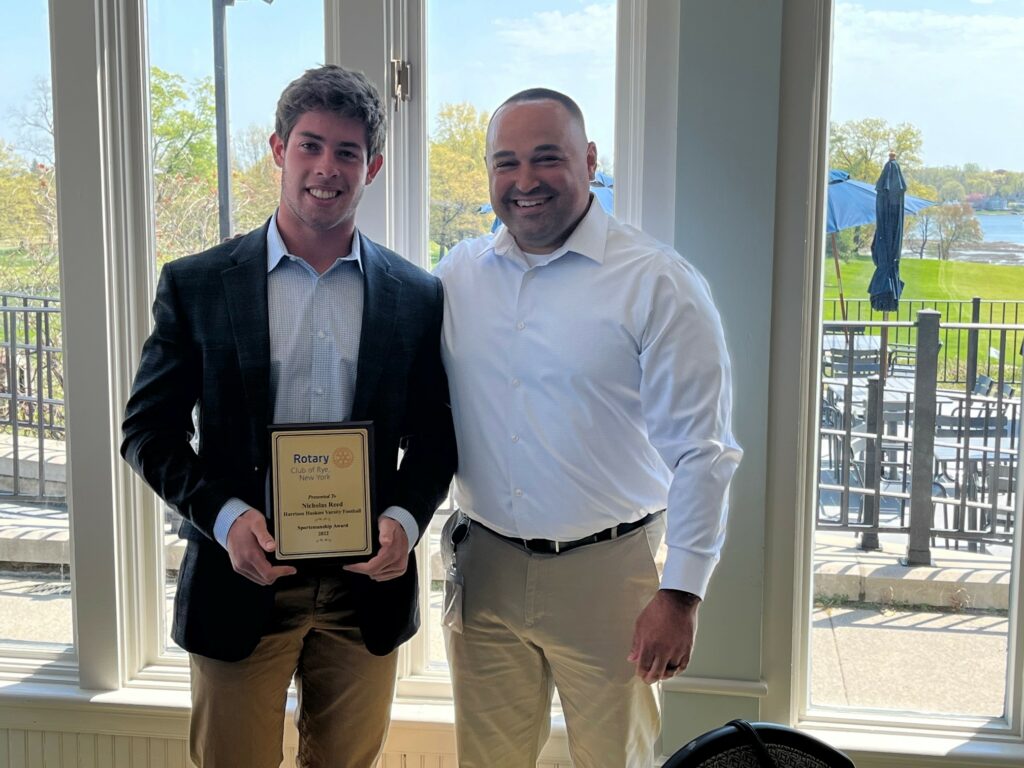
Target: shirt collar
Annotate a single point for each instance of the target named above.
(588, 239)
(276, 249)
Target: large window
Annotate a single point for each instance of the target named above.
(916, 526)
(35, 575)
(205, 121)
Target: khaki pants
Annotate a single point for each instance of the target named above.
(345, 692)
(534, 622)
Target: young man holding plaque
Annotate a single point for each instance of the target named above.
(590, 388)
(303, 321)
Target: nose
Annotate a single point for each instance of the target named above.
(326, 166)
(526, 179)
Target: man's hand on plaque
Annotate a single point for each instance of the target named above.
(392, 559)
(249, 541)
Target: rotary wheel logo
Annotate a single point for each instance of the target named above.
(343, 458)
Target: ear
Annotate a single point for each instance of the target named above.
(591, 158)
(373, 167)
(277, 147)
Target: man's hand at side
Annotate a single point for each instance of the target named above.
(392, 559)
(663, 638)
(249, 541)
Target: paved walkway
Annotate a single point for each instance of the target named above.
(924, 639)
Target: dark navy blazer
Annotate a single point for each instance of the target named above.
(210, 347)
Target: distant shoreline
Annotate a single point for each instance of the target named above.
(985, 252)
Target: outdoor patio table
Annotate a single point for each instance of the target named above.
(840, 340)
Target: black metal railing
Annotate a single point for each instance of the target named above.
(968, 347)
(32, 414)
(900, 454)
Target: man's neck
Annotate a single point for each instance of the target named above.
(318, 249)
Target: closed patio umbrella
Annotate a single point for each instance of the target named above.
(852, 203)
(885, 287)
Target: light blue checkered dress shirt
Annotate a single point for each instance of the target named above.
(315, 324)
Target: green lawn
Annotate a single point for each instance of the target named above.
(931, 279)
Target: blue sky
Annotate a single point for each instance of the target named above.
(951, 67)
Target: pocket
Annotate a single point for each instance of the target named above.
(451, 613)
(453, 533)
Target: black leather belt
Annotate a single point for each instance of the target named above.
(548, 547)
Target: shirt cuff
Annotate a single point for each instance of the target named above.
(231, 511)
(407, 521)
(687, 572)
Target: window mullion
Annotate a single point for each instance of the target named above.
(76, 32)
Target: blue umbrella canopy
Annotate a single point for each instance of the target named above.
(851, 203)
(885, 287)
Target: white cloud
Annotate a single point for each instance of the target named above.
(557, 33)
(570, 51)
(954, 76)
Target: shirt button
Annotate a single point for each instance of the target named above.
(515, 438)
(520, 325)
(515, 382)
(519, 491)
(319, 390)
(320, 334)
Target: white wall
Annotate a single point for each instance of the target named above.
(725, 210)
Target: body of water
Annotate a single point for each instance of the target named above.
(1002, 228)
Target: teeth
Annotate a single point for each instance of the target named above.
(528, 203)
(323, 194)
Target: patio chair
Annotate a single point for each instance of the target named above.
(832, 418)
(740, 744)
(982, 385)
(902, 359)
(863, 362)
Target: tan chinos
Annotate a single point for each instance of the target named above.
(533, 622)
(344, 691)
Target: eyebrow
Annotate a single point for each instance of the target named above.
(318, 137)
(538, 148)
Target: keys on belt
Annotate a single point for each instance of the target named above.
(548, 547)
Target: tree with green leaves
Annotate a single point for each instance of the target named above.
(955, 225)
(18, 221)
(458, 175)
(184, 152)
(920, 227)
(255, 178)
(952, 191)
(861, 147)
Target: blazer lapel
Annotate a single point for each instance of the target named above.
(380, 302)
(245, 285)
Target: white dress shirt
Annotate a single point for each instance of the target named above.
(590, 387)
(315, 326)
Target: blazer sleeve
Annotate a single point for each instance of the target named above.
(429, 459)
(158, 426)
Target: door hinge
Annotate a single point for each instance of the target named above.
(401, 77)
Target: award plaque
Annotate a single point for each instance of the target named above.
(320, 481)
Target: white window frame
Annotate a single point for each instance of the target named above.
(800, 238)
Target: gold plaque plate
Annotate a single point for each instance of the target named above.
(320, 481)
